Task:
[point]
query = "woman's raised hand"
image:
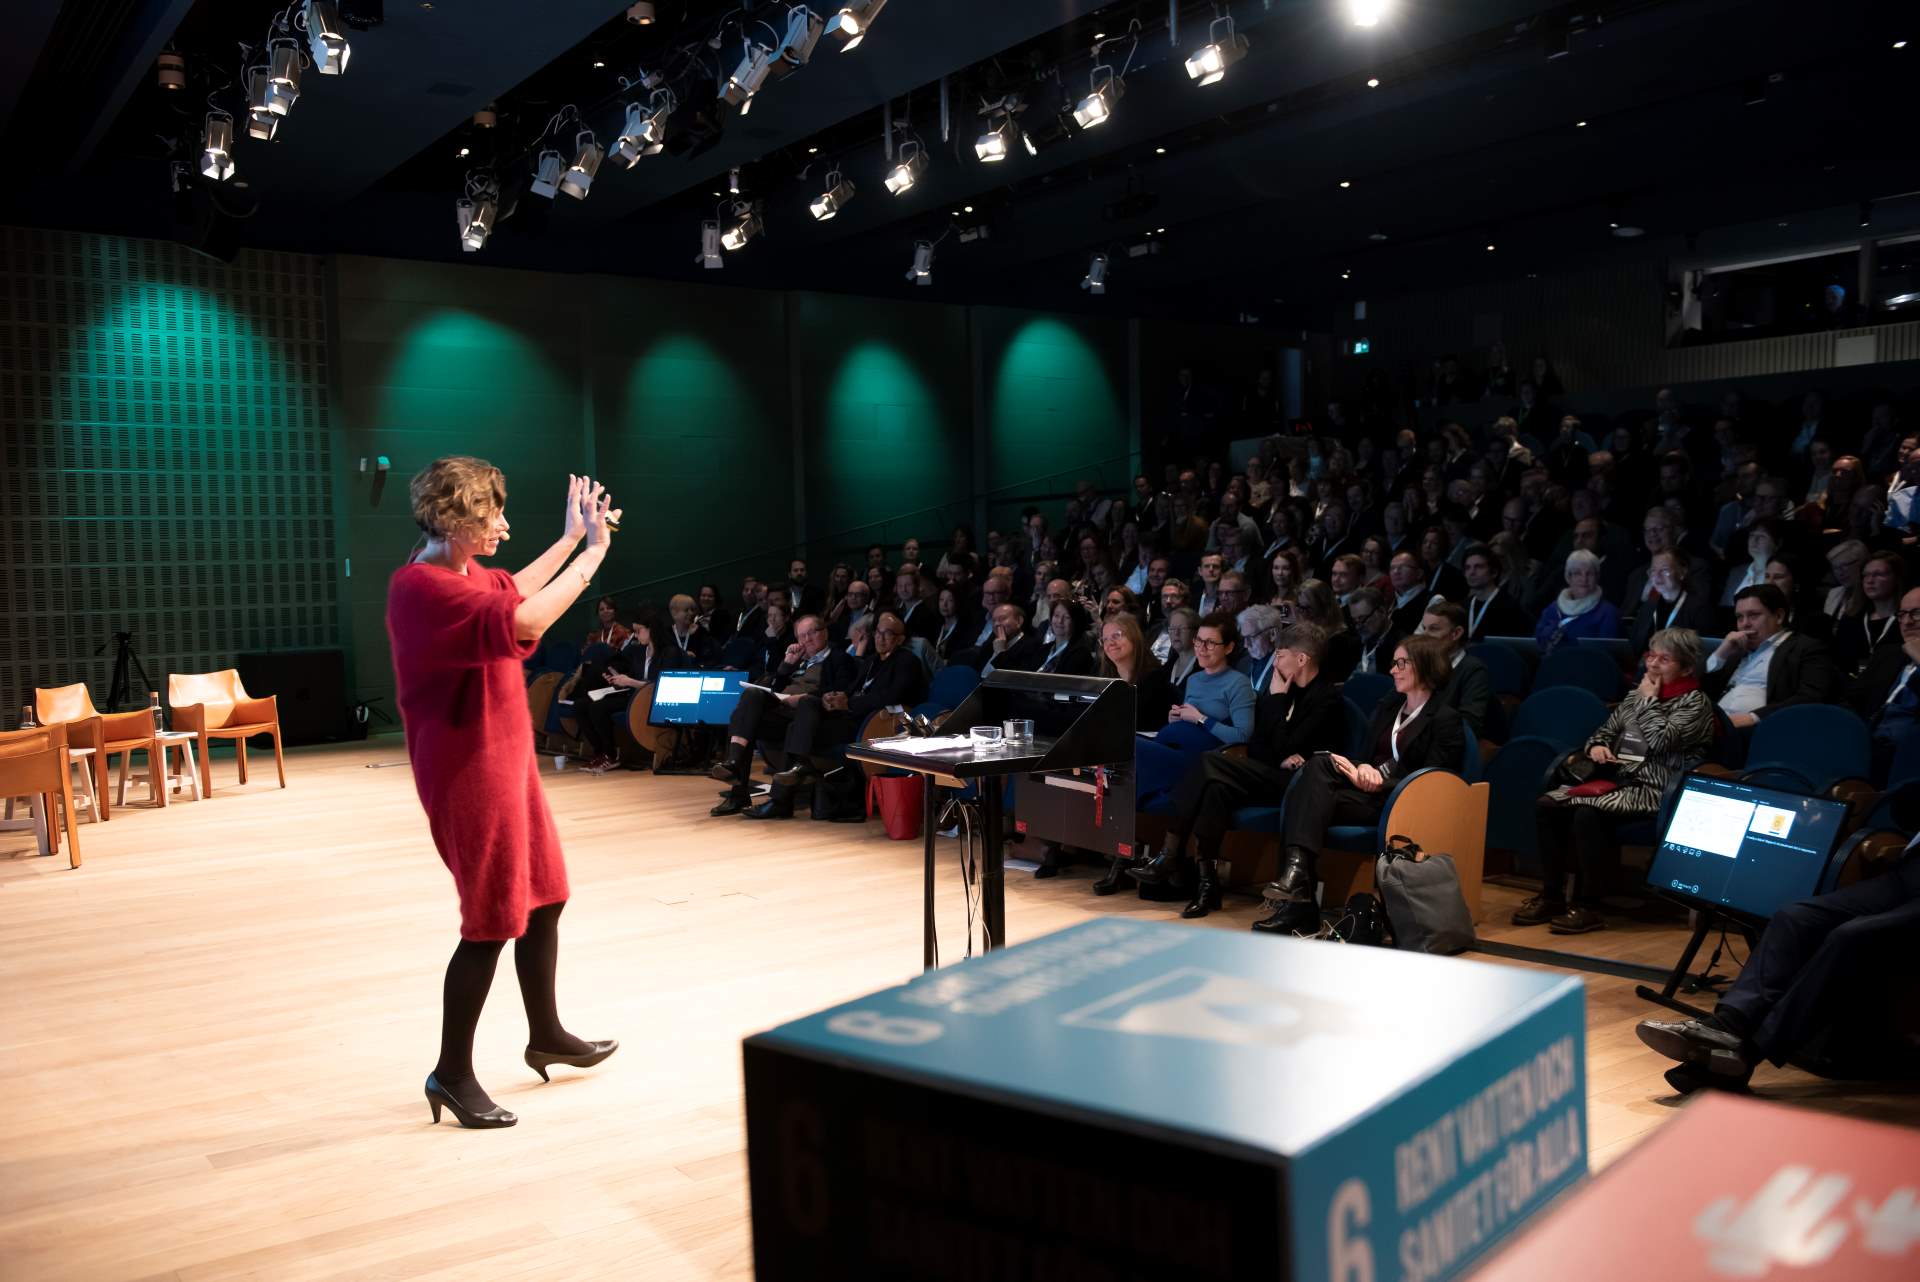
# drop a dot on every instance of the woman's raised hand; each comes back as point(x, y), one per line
point(574, 527)
point(597, 506)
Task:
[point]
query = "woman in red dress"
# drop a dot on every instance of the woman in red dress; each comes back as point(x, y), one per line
point(459, 632)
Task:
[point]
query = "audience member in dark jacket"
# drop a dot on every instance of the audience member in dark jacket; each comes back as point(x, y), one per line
point(1469, 690)
point(1762, 667)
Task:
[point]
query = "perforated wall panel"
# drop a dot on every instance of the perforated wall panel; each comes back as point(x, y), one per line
point(166, 458)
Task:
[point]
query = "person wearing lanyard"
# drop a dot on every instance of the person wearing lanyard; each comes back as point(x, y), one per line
point(1410, 731)
point(1373, 626)
point(1882, 580)
point(1491, 609)
point(1887, 695)
point(1670, 602)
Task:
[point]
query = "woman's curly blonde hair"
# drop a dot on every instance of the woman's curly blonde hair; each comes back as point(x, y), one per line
point(456, 493)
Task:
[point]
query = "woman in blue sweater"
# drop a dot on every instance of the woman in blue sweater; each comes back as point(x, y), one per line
point(1215, 709)
point(1580, 611)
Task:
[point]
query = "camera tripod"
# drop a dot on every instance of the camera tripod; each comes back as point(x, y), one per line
point(125, 664)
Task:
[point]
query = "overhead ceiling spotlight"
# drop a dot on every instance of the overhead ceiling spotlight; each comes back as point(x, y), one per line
point(1210, 61)
point(831, 201)
point(996, 142)
point(733, 180)
point(326, 38)
point(853, 22)
point(485, 118)
point(1367, 13)
point(640, 14)
point(216, 153)
point(912, 163)
point(921, 273)
point(283, 76)
point(476, 212)
point(1056, 128)
point(170, 71)
point(746, 226)
point(748, 76)
point(587, 156)
point(261, 122)
point(803, 33)
point(1097, 106)
point(709, 255)
point(631, 142)
point(1095, 281)
point(547, 168)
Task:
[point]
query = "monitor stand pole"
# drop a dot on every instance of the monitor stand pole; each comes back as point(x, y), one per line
point(1704, 923)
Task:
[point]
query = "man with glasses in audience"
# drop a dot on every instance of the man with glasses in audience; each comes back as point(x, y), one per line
point(1373, 627)
point(859, 610)
point(1173, 596)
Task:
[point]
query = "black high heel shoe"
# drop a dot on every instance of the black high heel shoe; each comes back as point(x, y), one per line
point(438, 1097)
point(541, 1061)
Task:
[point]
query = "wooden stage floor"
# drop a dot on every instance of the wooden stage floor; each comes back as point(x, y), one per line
point(213, 1034)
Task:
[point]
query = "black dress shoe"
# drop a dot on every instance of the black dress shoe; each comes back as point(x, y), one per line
point(541, 1061)
point(1050, 863)
point(767, 810)
point(1156, 871)
point(1294, 917)
point(1690, 1041)
point(438, 1097)
point(731, 804)
point(1537, 911)
point(1686, 1079)
point(723, 772)
point(1117, 870)
point(794, 775)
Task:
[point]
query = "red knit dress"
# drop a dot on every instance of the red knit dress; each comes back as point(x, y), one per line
point(463, 704)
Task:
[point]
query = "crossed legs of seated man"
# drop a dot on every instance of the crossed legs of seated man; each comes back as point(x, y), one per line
point(1209, 792)
point(1812, 954)
point(1322, 799)
point(812, 730)
point(759, 715)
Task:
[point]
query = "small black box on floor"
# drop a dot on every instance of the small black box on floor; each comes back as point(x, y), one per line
point(311, 686)
point(1131, 1100)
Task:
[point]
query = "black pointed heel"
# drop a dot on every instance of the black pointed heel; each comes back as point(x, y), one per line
point(438, 1097)
point(541, 1061)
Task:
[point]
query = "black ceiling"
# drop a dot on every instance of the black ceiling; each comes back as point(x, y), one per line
point(1697, 114)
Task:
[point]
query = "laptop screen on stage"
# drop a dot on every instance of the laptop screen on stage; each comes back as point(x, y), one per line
point(694, 698)
point(1744, 849)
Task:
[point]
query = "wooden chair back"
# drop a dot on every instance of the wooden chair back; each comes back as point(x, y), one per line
point(217, 692)
point(34, 763)
point(659, 740)
point(63, 703)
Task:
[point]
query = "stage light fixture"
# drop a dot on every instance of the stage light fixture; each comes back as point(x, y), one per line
point(804, 27)
point(746, 226)
point(1095, 281)
point(170, 71)
point(283, 76)
point(631, 143)
point(326, 38)
point(831, 201)
point(996, 142)
point(640, 14)
point(587, 156)
point(908, 168)
point(1210, 61)
point(216, 152)
point(921, 273)
point(473, 236)
point(853, 22)
point(709, 255)
point(547, 168)
point(1373, 82)
point(261, 121)
point(1097, 106)
point(1367, 13)
point(748, 76)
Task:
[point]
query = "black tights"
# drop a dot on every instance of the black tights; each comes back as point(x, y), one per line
point(536, 955)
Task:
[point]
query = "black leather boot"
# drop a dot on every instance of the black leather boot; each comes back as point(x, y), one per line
point(1206, 893)
point(1294, 917)
point(1121, 867)
point(1158, 870)
point(1295, 878)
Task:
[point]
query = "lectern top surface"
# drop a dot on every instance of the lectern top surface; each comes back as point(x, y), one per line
point(1264, 1044)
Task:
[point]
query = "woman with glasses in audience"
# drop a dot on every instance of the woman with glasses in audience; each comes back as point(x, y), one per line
point(1653, 736)
point(953, 632)
point(1215, 709)
point(1070, 653)
point(1845, 598)
point(1315, 604)
point(1181, 658)
point(1410, 731)
point(1883, 578)
point(1579, 611)
point(770, 647)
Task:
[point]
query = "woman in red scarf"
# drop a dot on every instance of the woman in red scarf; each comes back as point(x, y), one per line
point(459, 633)
point(1660, 731)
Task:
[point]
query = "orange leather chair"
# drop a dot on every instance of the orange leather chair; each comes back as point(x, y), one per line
point(34, 762)
point(214, 705)
point(107, 733)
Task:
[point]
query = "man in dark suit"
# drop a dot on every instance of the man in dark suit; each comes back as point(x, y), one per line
point(811, 668)
point(804, 598)
point(859, 606)
point(1762, 667)
point(1014, 646)
point(889, 676)
point(1410, 591)
point(712, 616)
point(1441, 577)
point(1491, 611)
point(1660, 532)
point(1373, 627)
point(1469, 691)
point(913, 600)
point(752, 618)
point(1887, 694)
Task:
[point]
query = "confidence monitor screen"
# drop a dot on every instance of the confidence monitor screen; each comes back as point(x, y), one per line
point(1744, 849)
point(694, 698)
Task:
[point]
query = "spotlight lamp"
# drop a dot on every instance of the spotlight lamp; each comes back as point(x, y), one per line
point(476, 212)
point(831, 201)
point(709, 255)
point(908, 168)
point(1210, 61)
point(746, 225)
point(747, 77)
point(261, 120)
point(170, 71)
point(216, 154)
point(855, 19)
point(630, 144)
point(921, 273)
point(283, 76)
point(1095, 281)
point(640, 14)
point(994, 145)
point(326, 38)
point(1097, 106)
point(547, 168)
point(804, 28)
point(587, 155)
point(1367, 13)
